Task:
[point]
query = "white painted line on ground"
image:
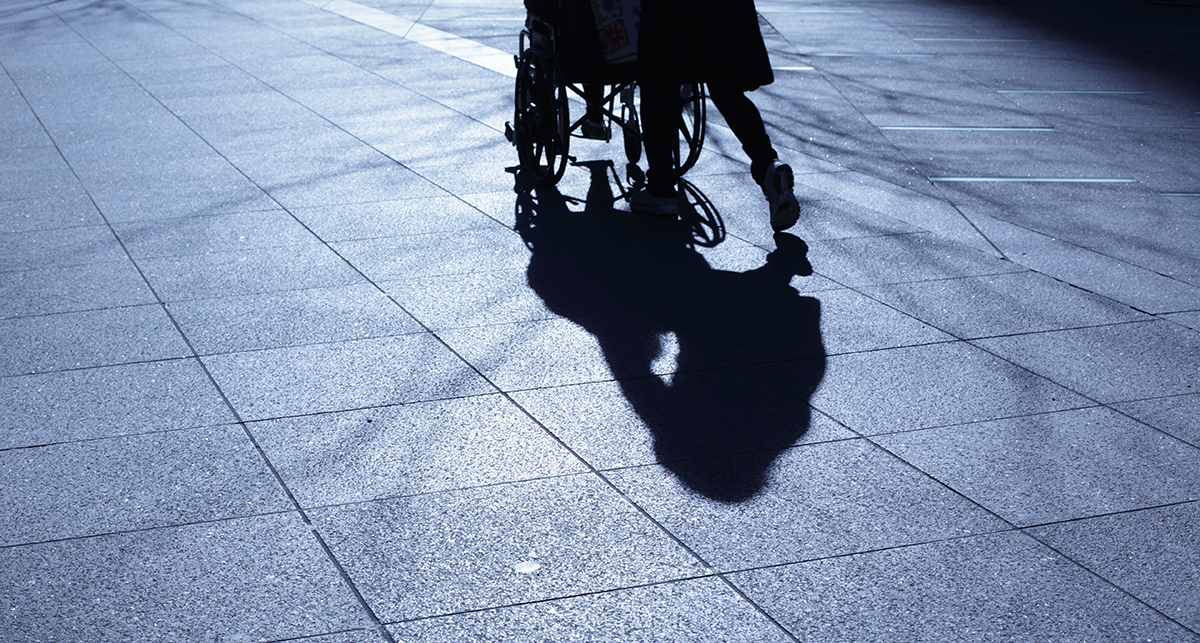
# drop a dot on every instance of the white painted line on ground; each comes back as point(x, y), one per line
point(1066, 91)
point(972, 40)
point(1181, 194)
point(873, 55)
point(1141, 48)
point(1019, 179)
point(770, 9)
point(470, 51)
point(793, 68)
point(939, 128)
point(1156, 29)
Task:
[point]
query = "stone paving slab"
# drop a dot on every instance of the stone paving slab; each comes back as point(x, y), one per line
point(1056, 466)
point(339, 376)
point(67, 289)
point(134, 482)
point(1004, 304)
point(835, 498)
point(83, 404)
point(245, 232)
point(261, 578)
point(437, 554)
point(1172, 415)
point(290, 318)
point(699, 610)
point(999, 587)
point(397, 218)
point(67, 247)
point(641, 421)
point(1141, 546)
point(1134, 358)
point(103, 337)
point(288, 353)
point(1095, 272)
point(419, 448)
point(273, 269)
point(927, 386)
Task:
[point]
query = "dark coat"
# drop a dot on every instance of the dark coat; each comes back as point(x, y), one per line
point(703, 41)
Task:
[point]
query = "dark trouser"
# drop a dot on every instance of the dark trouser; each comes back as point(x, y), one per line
point(661, 110)
point(593, 95)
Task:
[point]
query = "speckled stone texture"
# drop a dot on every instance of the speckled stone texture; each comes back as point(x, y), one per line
point(291, 350)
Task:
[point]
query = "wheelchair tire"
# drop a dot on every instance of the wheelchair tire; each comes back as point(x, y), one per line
point(541, 129)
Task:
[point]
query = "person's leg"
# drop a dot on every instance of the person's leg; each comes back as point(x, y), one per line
point(775, 178)
point(747, 124)
point(593, 126)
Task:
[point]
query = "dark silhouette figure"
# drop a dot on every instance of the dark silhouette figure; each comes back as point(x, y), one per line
point(722, 416)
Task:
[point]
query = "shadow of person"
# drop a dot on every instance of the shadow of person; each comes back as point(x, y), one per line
point(686, 358)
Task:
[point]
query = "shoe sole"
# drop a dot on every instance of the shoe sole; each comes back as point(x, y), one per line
point(785, 209)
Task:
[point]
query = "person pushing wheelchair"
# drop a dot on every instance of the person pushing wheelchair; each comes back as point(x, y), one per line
point(717, 42)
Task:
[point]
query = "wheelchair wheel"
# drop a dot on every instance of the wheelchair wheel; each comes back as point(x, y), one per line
point(541, 122)
point(691, 125)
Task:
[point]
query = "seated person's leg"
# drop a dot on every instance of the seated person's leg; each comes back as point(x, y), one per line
point(660, 112)
point(593, 125)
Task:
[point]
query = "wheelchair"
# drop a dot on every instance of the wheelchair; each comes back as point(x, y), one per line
point(560, 58)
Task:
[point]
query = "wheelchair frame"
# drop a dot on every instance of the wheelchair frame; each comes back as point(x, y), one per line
point(542, 128)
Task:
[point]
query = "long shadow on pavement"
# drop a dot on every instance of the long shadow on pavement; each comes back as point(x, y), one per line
point(717, 425)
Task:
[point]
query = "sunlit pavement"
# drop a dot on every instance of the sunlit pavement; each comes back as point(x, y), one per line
point(287, 352)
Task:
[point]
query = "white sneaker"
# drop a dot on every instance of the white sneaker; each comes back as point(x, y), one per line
point(779, 188)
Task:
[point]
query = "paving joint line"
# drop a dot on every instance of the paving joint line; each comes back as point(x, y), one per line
point(347, 580)
point(141, 530)
point(1111, 584)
